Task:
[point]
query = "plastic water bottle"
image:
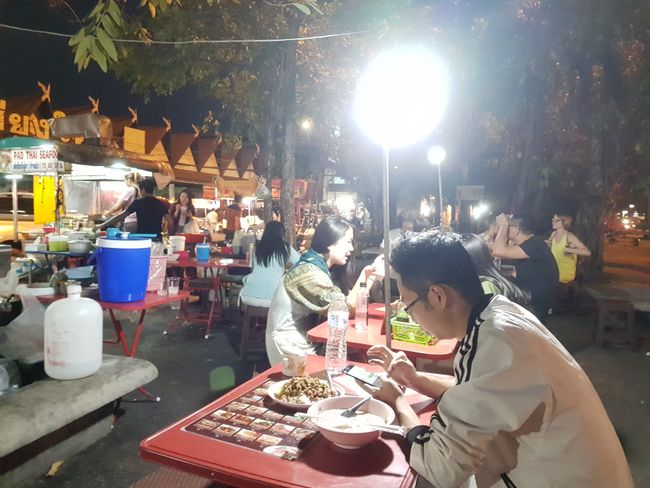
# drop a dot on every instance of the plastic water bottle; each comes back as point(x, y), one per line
point(73, 336)
point(336, 352)
point(361, 315)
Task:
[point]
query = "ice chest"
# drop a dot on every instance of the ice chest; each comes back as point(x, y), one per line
point(122, 268)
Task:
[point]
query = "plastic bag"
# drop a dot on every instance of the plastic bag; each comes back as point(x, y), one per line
point(24, 334)
point(191, 228)
point(9, 283)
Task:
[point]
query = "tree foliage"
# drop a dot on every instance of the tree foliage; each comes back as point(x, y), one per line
point(550, 103)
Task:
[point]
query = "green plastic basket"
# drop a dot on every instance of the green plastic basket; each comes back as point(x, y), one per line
point(410, 332)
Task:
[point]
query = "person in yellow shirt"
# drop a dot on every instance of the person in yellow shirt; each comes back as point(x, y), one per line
point(566, 247)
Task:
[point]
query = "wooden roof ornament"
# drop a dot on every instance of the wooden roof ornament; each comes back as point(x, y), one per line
point(46, 91)
point(187, 158)
point(94, 103)
point(203, 148)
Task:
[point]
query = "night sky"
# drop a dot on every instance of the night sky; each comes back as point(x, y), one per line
point(26, 58)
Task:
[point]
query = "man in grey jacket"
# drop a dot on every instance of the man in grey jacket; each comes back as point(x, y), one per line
point(519, 411)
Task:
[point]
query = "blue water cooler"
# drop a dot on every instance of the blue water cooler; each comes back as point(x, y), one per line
point(122, 268)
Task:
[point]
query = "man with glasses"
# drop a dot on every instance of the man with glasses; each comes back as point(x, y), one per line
point(519, 410)
point(536, 267)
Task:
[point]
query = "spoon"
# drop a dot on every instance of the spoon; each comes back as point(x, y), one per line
point(352, 411)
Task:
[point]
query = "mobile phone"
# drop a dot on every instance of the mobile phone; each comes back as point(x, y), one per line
point(362, 375)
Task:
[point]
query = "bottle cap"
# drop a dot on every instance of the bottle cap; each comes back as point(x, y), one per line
point(74, 288)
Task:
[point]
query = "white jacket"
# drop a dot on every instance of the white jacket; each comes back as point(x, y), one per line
point(522, 414)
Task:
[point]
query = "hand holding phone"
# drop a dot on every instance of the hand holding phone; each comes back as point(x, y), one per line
point(362, 375)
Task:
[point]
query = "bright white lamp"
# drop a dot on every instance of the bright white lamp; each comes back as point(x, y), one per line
point(400, 99)
point(402, 95)
point(307, 124)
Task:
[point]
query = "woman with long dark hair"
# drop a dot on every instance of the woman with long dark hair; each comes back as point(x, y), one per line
point(272, 257)
point(182, 211)
point(492, 280)
point(307, 289)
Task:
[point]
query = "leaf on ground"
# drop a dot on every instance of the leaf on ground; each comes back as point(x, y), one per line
point(54, 469)
point(303, 8)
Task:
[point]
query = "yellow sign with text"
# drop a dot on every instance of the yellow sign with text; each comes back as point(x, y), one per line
point(29, 124)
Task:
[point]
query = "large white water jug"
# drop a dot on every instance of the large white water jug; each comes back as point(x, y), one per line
point(177, 243)
point(73, 336)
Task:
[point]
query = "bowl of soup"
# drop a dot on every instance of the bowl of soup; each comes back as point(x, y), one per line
point(353, 432)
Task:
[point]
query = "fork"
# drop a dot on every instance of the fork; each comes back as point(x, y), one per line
point(352, 411)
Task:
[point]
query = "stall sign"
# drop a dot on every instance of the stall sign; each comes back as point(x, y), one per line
point(22, 124)
point(230, 188)
point(300, 188)
point(36, 160)
point(29, 124)
point(209, 192)
point(469, 192)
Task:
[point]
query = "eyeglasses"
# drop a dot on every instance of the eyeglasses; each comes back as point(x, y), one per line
point(555, 220)
point(407, 308)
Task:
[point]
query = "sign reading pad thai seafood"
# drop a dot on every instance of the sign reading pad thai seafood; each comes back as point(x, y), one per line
point(35, 160)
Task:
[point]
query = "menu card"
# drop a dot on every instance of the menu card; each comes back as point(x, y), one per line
point(257, 422)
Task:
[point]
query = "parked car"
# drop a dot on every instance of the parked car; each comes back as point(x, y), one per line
point(25, 215)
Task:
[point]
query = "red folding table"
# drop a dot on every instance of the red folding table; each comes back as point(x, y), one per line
point(383, 463)
point(362, 340)
point(151, 300)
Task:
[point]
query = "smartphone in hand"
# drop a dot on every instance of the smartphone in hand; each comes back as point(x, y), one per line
point(362, 375)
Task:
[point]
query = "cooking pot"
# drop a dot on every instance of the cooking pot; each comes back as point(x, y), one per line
point(80, 245)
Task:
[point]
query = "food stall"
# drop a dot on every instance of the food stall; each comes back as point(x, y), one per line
point(29, 156)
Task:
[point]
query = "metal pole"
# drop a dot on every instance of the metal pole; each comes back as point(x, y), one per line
point(385, 191)
point(440, 192)
point(14, 203)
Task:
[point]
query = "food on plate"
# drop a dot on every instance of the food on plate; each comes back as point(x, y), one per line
point(304, 390)
point(332, 419)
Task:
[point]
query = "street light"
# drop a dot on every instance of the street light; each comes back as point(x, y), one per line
point(307, 124)
point(400, 98)
point(436, 155)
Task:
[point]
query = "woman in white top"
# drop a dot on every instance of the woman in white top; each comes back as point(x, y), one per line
point(305, 292)
point(130, 193)
point(182, 211)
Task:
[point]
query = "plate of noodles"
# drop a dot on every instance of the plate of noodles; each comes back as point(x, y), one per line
point(301, 392)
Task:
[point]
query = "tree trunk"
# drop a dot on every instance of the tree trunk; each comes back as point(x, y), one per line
point(269, 162)
point(288, 83)
point(528, 173)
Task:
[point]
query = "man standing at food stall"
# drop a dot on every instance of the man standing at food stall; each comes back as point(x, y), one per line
point(233, 215)
point(151, 212)
point(519, 410)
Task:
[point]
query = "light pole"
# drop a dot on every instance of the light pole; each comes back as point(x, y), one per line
point(400, 98)
point(436, 155)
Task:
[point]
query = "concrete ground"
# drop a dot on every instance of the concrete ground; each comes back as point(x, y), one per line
point(185, 359)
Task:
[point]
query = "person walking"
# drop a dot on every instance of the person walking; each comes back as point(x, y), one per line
point(566, 247)
point(233, 214)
